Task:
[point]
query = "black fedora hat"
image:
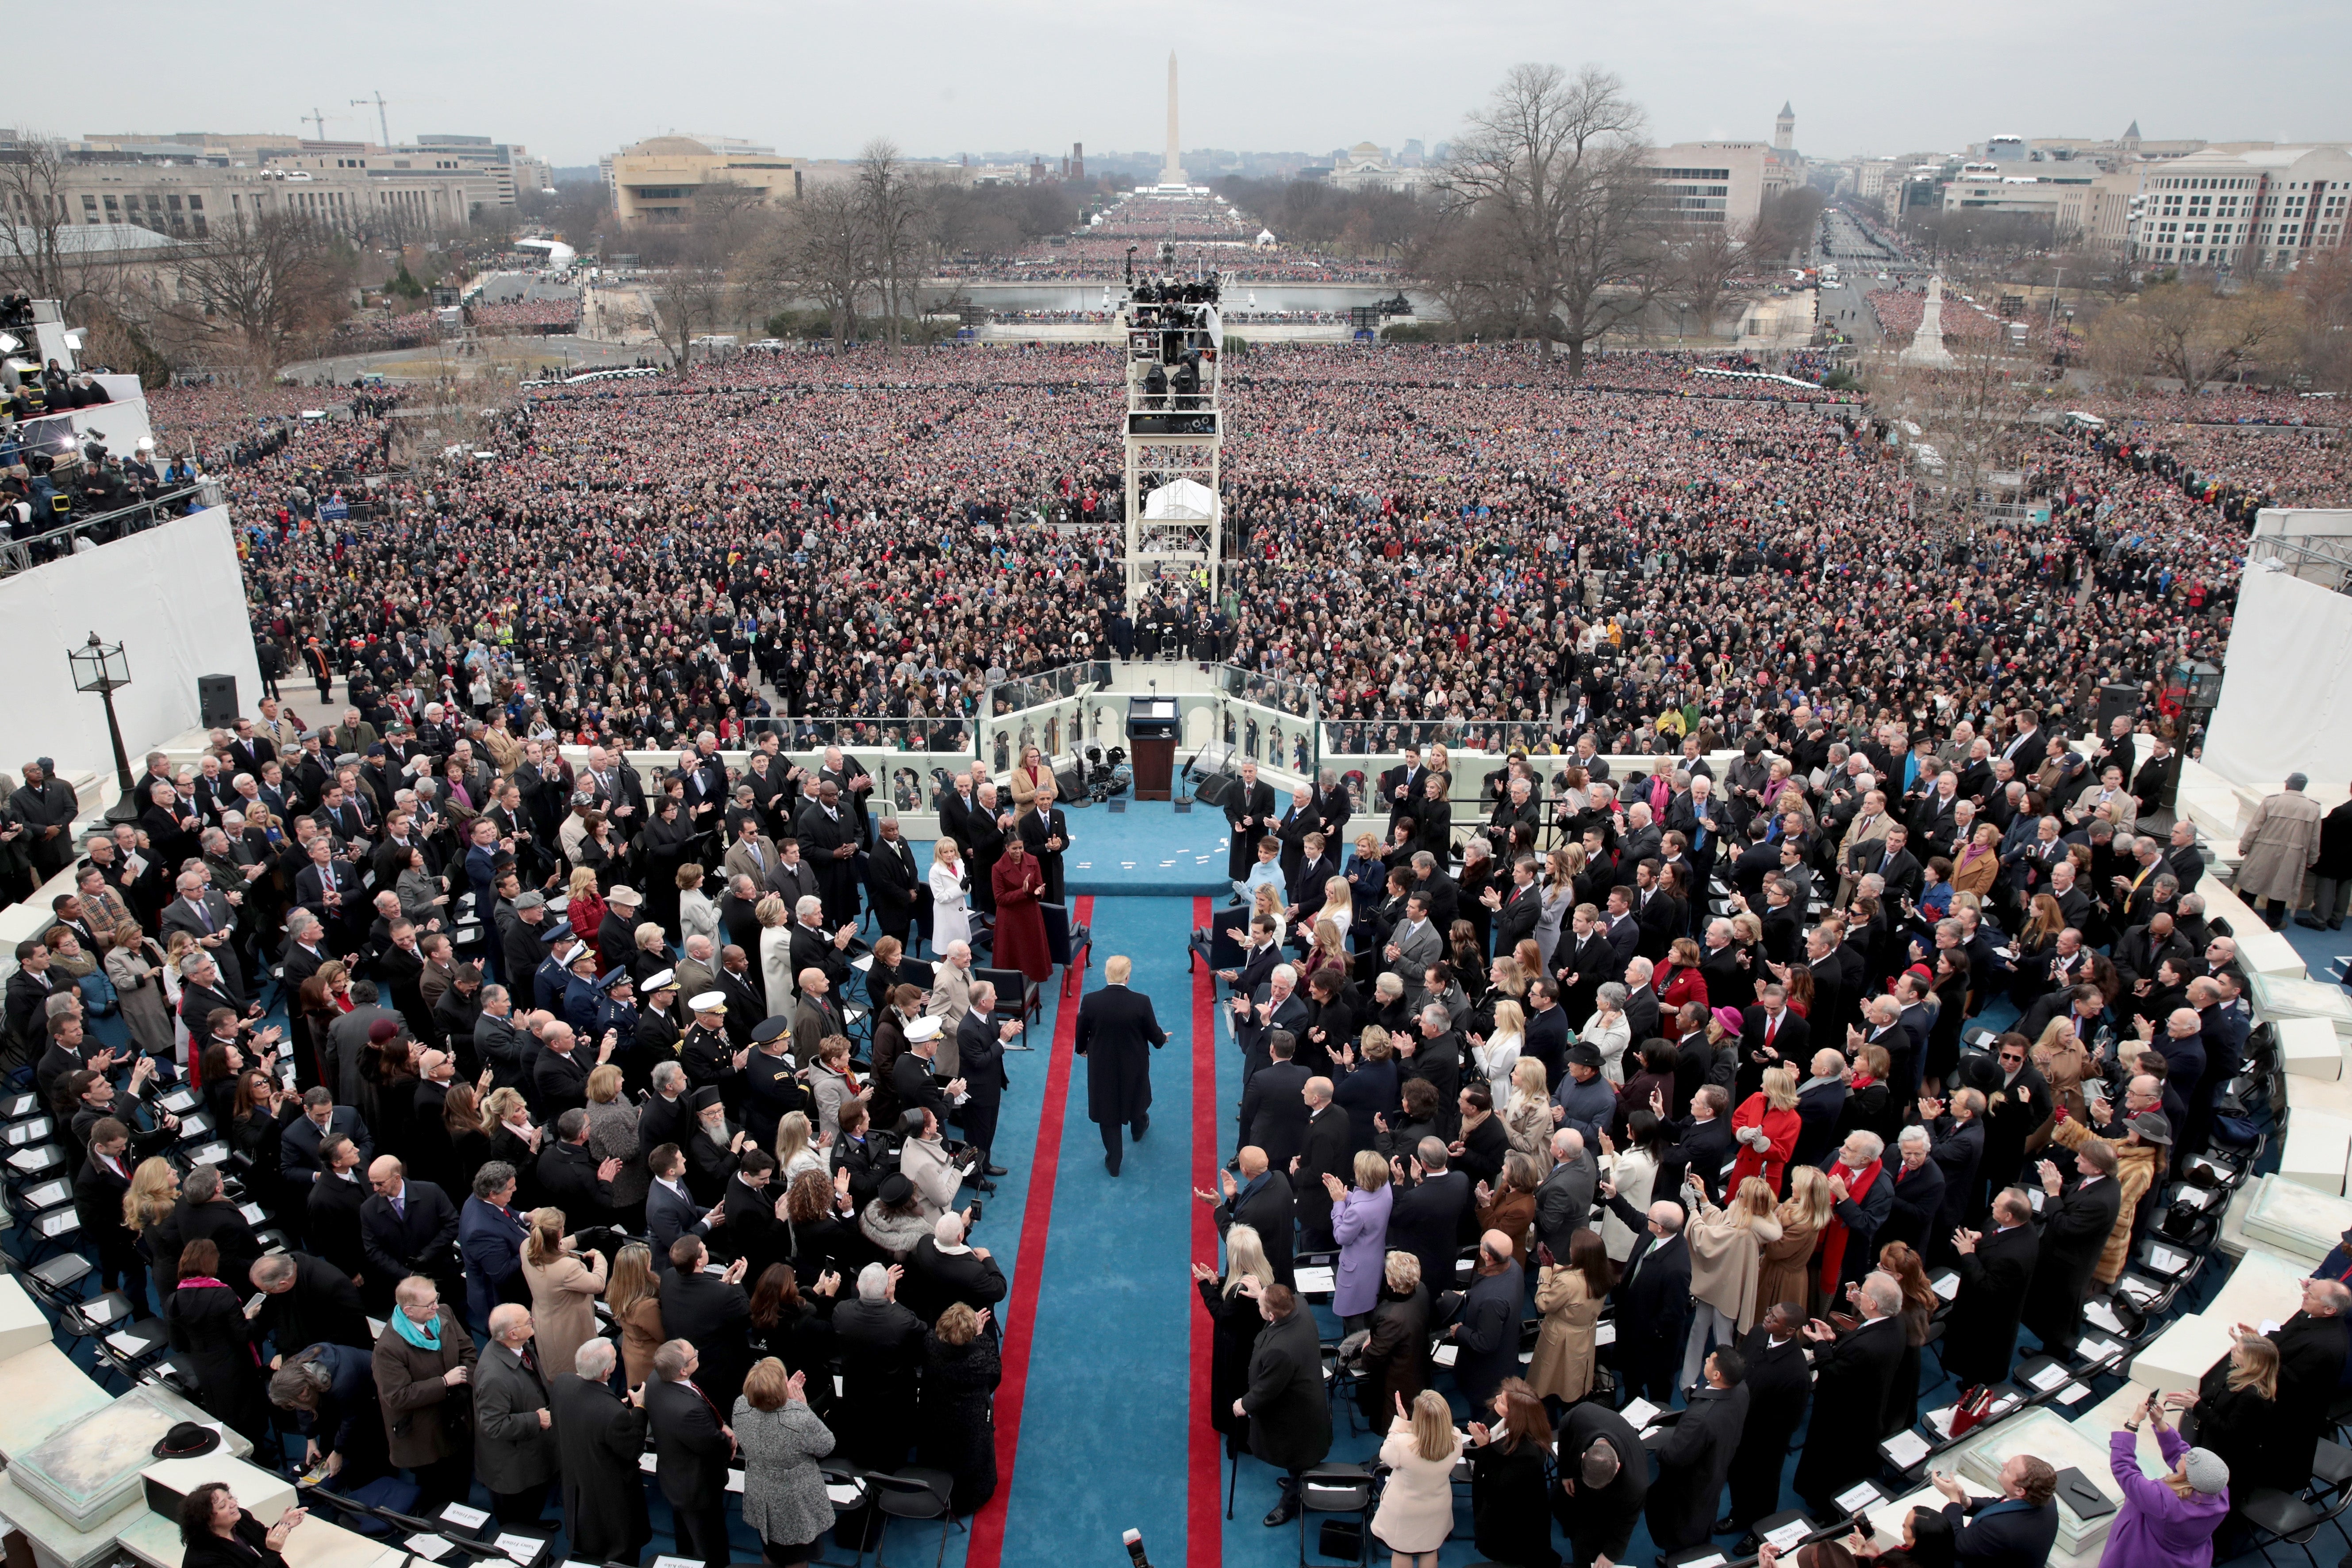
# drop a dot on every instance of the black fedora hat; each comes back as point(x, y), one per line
point(186, 1441)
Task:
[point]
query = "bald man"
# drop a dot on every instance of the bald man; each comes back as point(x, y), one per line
point(406, 1227)
point(514, 1447)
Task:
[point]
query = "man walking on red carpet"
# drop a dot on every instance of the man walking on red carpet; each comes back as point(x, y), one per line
point(1116, 1034)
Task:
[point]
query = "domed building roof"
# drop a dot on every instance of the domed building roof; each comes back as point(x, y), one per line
point(671, 146)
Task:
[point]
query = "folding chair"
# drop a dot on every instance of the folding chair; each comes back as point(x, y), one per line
point(1025, 996)
point(1336, 1489)
point(913, 1492)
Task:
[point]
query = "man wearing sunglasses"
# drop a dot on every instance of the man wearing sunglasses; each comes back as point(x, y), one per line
point(2014, 1108)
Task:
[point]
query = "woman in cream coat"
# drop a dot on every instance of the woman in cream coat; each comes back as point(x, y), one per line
point(950, 902)
point(775, 917)
point(1569, 1294)
point(564, 1284)
point(1727, 1254)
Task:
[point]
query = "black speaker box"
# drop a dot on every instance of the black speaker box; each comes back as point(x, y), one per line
point(1217, 788)
point(2114, 698)
point(216, 701)
point(1070, 785)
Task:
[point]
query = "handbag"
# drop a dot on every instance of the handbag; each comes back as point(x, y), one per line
point(1973, 1410)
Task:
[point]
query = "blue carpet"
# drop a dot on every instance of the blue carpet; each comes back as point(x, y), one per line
point(1148, 849)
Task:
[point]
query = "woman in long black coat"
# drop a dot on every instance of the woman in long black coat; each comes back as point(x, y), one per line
point(961, 1371)
point(1509, 1509)
point(666, 844)
point(1237, 1319)
point(211, 1333)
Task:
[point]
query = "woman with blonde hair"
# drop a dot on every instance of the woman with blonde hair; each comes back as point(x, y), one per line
point(1232, 1305)
point(1416, 1511)
point(2237, 1405)
point(781, 1440)
point(1726, 1256)
point(951, 896)
point(585, 912)
point(1360, 1225)
point(1498, 1056)
point(1787, 1271)
point(613, 1136)
point(134, 966)
point(796, 1149)
point(1562, 866)
point(1765, 1128)
point(1338, 904)
point(775, 956)
point(1525, 1115)
point(1330, 951)
point(634, 1296)
point(2064, 1064)
point(147, 1205)
point(564, 1284)
point(1267, 903)
point(652, 954)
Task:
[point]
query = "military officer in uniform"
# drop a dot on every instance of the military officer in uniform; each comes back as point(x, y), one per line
point(580, 995)
point(659, 1040)
point(553, 972)
point(618, 1011)
point(712, 1061)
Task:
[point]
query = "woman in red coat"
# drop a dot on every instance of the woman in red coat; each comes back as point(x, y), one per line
point(1765, 1128)
point(1677, 983)
point(1019, 881)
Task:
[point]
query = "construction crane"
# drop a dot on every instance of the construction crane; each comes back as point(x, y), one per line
point(382, 126)
point(319, 120)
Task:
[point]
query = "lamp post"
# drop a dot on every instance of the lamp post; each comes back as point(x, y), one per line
point(101, 667)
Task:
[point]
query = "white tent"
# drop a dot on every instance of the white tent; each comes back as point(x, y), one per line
point(1180, 501)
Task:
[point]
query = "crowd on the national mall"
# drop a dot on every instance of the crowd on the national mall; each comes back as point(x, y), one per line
point(656, 1110)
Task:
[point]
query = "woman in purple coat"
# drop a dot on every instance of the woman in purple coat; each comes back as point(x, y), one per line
point(1360, 1223)
point(2168, 1522)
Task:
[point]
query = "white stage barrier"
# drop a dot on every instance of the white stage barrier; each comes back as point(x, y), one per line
point(2286, 691)
point(171, 596)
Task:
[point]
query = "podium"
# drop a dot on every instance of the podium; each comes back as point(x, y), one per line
point(1152, 724)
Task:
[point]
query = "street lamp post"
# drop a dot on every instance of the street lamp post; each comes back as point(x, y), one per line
point(101, 667)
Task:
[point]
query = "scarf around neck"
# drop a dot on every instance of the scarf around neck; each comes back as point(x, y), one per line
point(424, 1338)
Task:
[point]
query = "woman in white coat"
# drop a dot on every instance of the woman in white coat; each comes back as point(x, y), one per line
point(951, 900)
point(775, 918)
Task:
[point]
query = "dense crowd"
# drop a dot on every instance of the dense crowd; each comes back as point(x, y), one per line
point(645, 559)
point(660, 1076)
point(514, 313)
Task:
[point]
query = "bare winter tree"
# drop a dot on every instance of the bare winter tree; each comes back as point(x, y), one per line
point(1557, 163)
point(893, 199)
point(1701, 263)
point(256, 290)
point(2188, 329)
point(39, 252)
point(821, 252)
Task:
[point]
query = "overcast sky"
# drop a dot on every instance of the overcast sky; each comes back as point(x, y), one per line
point(577, 80)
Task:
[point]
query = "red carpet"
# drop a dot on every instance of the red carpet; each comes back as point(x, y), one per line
point(1205, 1529)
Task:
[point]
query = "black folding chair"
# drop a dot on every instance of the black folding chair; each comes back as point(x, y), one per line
point(1336, 1489)
point(916, 1493)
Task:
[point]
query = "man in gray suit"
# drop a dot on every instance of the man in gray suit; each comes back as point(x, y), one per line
point(1564, 1201)
point(1415, 944)
point(348, 1039)
point(514, 1448)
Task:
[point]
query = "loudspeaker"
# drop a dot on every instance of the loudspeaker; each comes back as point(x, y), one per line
point(1070, 785)
point(1217, 788)
point(2114, 698)
point(216, 701)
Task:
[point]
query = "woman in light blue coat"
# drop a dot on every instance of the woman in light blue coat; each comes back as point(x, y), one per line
point(1360, 1223)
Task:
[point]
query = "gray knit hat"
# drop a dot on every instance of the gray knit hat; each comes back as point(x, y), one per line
point(2206, 1470)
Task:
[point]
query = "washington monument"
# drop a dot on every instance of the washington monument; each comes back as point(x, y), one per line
point(1173, 171)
